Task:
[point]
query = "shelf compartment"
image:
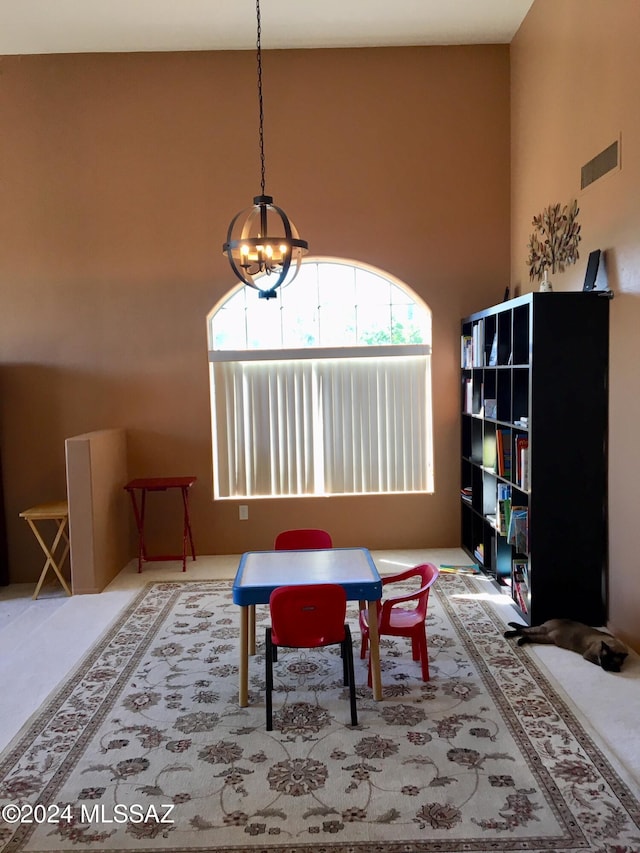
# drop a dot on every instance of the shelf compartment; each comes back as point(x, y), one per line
point(465, 438)
point(521, 335)
point(520, 394)
point(489, 399)
point(477, 494)
point(505, 341)
point(489, 446)
point(503, 393)
point(476, 440)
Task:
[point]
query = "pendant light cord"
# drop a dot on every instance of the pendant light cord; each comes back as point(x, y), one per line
point(251, 247)
point(260, 106)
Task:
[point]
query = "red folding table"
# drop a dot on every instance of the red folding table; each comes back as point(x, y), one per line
point(161, 484)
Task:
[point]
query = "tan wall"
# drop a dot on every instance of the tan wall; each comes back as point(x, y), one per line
point(575, 78)
point(120, 176)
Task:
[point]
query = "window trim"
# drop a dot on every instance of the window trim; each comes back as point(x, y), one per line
point(385, 351)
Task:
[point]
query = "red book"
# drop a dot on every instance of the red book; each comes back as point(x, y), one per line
point(499, 453)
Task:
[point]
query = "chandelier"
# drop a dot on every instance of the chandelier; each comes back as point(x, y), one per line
point(263, 245)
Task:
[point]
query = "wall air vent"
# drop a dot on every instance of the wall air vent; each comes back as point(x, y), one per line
point(602, 163)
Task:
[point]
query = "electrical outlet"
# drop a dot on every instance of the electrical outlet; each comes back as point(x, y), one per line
point(243, 512)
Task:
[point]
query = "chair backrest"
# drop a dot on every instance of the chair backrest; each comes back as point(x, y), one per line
point(427, 573)
point(303, 539)
point(306, 616)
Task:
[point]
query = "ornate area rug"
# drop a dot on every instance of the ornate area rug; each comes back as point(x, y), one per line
point(145, 747)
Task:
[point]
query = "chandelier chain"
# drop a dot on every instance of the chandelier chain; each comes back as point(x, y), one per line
point(260, 104)
point(253, 247)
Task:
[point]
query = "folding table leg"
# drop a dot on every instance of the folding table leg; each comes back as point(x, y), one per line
point(186, 529)
point(138, 514)
point(49, 553)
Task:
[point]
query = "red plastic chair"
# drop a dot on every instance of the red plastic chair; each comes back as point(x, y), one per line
point(306, 617)
point(304, 539)
point(397, 621)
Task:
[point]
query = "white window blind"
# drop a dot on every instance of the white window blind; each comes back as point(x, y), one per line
point(299, 426)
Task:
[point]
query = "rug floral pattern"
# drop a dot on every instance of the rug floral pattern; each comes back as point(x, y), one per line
point(145, 747)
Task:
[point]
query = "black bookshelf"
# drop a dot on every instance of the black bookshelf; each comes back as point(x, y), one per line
point(535, 383)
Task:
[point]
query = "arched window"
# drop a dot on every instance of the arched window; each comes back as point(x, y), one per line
point(325, 390)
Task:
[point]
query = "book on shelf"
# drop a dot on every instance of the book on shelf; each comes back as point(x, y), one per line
point(521, 572)
point(490, 407)
point(524, 469)
point(466, 351)
point(522, 459)
point(520, 584)
point(503, 453)
point(520, 597)
point(507, 514)
point(499, 468)
point(477, 345)
point(489, 452)
point(493, 352)
point(468, 396)
point(466, 494)
point(503, 507)
point(518, 531)
point(506, 450)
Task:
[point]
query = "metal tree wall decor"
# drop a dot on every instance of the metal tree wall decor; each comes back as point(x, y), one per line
point(553, 245)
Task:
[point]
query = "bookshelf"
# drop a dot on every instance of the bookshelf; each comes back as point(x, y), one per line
point(533, 476)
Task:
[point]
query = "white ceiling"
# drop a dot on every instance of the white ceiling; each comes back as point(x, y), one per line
point(89, 26)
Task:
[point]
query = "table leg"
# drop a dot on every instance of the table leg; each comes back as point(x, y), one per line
point(374, 651)
point(185, 525)
point(243, 699)
point(49, 553)
point(142, 548)
point(252, 629)
point(187, 530)
point(139, 517)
